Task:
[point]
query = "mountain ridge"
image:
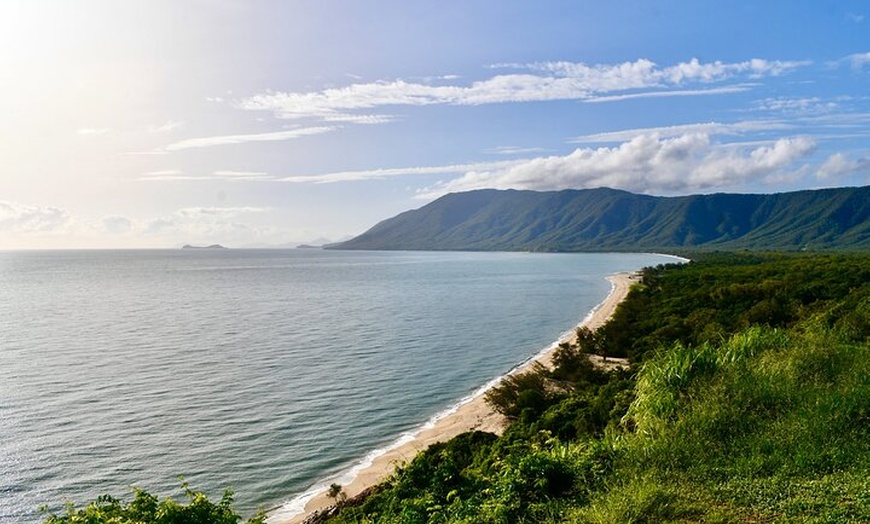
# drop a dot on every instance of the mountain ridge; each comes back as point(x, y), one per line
point(605, 219)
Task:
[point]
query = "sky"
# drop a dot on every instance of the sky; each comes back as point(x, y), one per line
point(155, 123)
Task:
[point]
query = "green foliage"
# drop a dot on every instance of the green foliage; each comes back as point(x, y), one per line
point(665, 379)
point(570, 362)
point(612, 220)
point(789, 408)
point(567, 400)
point(145, 508)
point(474, 479)
point(719, 294)
point(747, 403)
point(522, 393)
point(640, 501)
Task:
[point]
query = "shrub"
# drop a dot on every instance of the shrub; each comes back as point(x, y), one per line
point(145, 508)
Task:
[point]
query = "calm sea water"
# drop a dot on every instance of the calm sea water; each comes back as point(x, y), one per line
point(263, 370)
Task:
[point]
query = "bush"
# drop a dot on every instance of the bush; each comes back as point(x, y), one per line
point(521, 392)
point(145, 508)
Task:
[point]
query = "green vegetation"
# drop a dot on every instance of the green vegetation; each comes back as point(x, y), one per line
point(746, 402)
point(608, 219)
point(146, 508)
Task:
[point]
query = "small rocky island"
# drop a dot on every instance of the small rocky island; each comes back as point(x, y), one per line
point(213, 246)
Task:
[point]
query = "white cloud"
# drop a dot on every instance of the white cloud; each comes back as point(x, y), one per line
point(838, 165)
point(165, 175)
point(20, 218)
point(859, 60)
point(801, 106)
point(359, 119)
point(707, 128)
point(856, 61)
point(666, 94)
point(242, 175)
point(164, 172)
point(512, 150)
point(117, 225)
point(204, 223)
point(375, 174)
point(542, 81)
point(241, 139)
point(176, 175)
point(647, 163)
point(643, 73)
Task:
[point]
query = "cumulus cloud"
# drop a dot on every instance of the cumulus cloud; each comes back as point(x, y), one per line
point(647, 163)
point(204, 223)
point(539, 81)
point(643, 73)
point(838, 165)
point(241, 139)
point(20, 218)
point(117, 225)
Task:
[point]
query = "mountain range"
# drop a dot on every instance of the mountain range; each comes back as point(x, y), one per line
point(614, 220)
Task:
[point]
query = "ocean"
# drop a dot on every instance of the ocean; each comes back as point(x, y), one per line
point(267, 371)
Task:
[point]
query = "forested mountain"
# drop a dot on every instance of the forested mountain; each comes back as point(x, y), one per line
point(610, 219)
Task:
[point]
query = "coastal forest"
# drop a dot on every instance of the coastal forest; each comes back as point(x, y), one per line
point(745, 400)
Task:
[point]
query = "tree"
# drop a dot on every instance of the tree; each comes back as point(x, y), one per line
point(337, 493)
point(145, 508)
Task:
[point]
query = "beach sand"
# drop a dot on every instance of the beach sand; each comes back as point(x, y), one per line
point(473, 415)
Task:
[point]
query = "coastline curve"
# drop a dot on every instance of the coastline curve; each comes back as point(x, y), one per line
point(468, 414)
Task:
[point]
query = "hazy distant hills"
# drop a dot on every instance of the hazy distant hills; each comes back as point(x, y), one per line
point(609, 219)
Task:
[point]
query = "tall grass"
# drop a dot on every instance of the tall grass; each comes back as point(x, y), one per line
point(666, 379)
point(787, 408)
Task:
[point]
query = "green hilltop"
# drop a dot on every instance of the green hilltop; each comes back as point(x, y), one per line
point(613, 220)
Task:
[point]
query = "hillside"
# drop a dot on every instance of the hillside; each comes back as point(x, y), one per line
point(746, 402)
point(609, 219)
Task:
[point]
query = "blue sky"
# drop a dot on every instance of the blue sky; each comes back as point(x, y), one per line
point(263, 122)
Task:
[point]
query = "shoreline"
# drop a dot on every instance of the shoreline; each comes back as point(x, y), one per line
point(471, 413)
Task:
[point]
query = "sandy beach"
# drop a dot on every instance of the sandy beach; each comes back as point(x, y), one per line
point(473, 415)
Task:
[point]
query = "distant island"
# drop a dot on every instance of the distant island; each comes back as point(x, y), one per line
point(308, 246)
point(213, 246)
